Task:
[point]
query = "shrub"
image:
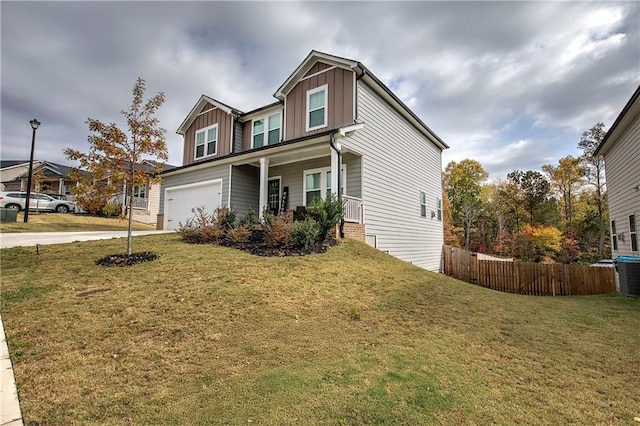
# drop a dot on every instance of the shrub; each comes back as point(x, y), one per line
point(226, 218)
point(354, 313)
point(277, 230)
point(249, 219)
point(110, 209)
point(201, 228)
point(239, 234)
point(304, 234)
point(327, 212)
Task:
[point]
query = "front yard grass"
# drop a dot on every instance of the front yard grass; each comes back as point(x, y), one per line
point(67, 222)
point(211, 335)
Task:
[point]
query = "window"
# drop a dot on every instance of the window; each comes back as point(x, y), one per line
point(269, 133)
point(67, 189)
point(206, 141)
point(317, 108)
point(633, 235)
point(614, 235)
point(317, 184)
point(140, 191)
point(439, 208)
point(423, 204)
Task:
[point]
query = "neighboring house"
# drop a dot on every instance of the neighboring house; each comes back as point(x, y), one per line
point(146, 198)
point(47, 177)
point(621, 150)
point(334, 124)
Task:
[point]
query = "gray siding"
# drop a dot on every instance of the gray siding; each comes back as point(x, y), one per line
point(293, 176)
point(622, 163)
point(245, 188)
point(193, 176)
point(237, 143)
point(398, 162)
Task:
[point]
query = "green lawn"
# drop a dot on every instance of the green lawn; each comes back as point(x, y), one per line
point(58, 222)
point(210, 335)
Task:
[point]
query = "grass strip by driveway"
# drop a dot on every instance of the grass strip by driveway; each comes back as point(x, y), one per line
point(210, 335)
point(68, 222)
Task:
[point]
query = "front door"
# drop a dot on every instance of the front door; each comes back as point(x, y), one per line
point(273, 195)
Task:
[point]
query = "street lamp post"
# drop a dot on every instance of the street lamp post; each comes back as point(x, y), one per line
point(34, 125)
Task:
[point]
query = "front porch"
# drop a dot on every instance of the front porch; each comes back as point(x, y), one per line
point(292, 181)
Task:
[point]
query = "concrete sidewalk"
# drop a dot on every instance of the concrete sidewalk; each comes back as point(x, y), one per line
point(10, 414)
point(42, 238)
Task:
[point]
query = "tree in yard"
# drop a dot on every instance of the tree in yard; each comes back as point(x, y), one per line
point(463, 183)
point(534, 190)
point(594, 165)
point(565, 179)
point(114, 158)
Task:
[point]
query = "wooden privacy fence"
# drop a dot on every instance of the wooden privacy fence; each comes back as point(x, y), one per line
point(536, 279)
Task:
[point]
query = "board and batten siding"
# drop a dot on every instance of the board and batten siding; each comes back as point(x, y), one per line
point(195, 176)
point(397, 163)
point(340, 110)
point(622, 168)
point(215, 116)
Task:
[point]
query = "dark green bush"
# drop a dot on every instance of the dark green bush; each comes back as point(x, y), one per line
point(305, 233)
point(327, 212)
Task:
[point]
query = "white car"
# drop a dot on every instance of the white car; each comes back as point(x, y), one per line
point(37, 202)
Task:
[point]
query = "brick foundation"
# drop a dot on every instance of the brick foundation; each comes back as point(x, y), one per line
point(353, 231)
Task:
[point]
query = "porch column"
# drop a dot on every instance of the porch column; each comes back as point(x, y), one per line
point(264, 177)
point(61, 186)
point(335, 169)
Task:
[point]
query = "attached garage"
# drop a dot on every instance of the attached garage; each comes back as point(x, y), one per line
point(179, 201)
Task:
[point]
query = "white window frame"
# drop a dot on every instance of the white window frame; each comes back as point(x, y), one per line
point(266, 130)
point(205, 130)
point(423, 204)
point(633, 232)
point(310, 92)
point(439, 209)
point(136, 191)
point(323, 181)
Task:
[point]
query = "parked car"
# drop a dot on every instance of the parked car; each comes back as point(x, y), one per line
point(37, 202)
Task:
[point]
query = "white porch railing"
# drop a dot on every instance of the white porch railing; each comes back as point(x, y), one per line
point(352, 209)
point(138, 203)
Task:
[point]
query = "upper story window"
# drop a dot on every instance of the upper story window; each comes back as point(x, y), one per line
point(317, 108)
point(269, 132)
point(206, 141)
point(423, 204)
point(439, 208)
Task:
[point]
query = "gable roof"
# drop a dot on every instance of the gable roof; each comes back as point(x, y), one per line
point(626, 116)
point(365, 74)
point(19, 167)
point(204, 99)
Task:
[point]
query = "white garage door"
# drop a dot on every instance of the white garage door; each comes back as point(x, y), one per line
point(180, 200)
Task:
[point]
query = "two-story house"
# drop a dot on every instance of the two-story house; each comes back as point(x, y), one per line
point(621, 150)
point(334, 125)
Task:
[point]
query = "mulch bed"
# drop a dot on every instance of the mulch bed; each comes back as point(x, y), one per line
point(126, 260)
point(262, 249)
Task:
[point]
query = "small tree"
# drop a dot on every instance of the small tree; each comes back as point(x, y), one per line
point(115, 157)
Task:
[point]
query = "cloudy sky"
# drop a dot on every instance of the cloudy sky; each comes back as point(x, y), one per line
point(510, 84)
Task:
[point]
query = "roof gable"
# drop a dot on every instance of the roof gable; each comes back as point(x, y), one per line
point(200, 107)
point(630, 111)
point(305, 69)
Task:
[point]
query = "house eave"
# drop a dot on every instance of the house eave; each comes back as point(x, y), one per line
point(253, 153)
point(626, 116)
point(306, 64)
point(204, 99)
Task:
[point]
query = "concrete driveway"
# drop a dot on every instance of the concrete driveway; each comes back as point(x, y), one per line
point(42, 238)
